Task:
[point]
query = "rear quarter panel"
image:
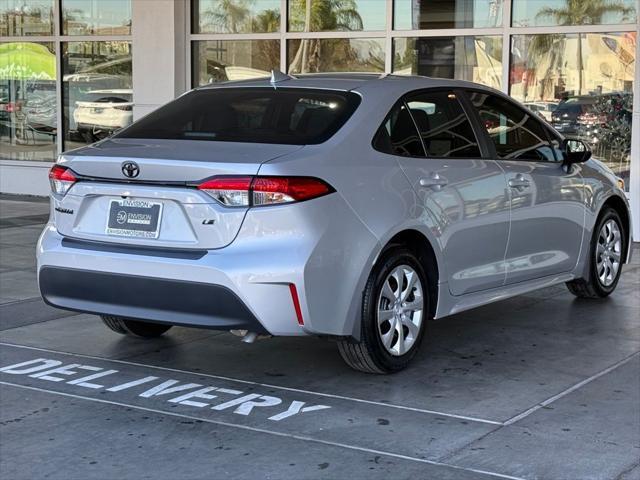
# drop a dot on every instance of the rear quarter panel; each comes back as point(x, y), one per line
point(375, 191)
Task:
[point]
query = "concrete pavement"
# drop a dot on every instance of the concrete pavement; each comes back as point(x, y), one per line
point(539, 386)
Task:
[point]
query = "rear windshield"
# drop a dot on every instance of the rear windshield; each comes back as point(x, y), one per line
point(293, 116)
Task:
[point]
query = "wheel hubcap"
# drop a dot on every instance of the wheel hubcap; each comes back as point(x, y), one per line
point(608, 253)
point(400, 309)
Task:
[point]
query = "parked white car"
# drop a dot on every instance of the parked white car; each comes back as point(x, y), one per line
point(104, 112)
point(543, 109)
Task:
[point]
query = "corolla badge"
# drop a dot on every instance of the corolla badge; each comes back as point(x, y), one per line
point(130, 169)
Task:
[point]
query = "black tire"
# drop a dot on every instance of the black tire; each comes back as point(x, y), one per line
point(137, 328)
point(369, 354)
point(592, 287)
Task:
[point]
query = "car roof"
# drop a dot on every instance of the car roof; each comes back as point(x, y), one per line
point(360, 82)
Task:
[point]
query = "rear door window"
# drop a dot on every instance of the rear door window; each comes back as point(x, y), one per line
point(256, 115)
point(443, 125)
point(398, 134)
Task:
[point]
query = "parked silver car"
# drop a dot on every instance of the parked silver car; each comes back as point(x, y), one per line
point(352, 207)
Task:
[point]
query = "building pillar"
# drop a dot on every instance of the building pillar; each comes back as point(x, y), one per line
point(159, 53)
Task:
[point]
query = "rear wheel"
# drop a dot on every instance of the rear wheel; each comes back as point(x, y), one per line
point(134, 327)
point(394, 313)
point(605, 258)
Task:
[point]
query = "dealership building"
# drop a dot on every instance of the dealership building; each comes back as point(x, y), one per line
point(74, 71)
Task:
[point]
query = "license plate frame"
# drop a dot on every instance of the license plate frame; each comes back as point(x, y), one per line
point(134, 218)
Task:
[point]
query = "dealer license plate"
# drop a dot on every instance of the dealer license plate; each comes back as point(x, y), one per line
point(134, 218)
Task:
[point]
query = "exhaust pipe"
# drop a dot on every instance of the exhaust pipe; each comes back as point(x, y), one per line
point(247, 336)
point(250, 337)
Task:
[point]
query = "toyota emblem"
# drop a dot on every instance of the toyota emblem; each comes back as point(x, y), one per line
point(130, 169)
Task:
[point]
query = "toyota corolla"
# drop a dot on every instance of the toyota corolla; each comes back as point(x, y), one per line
point(351, 207)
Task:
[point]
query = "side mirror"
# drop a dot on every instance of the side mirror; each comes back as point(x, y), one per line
point(575, 151)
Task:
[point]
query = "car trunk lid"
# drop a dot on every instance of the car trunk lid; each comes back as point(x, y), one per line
point(161, 205)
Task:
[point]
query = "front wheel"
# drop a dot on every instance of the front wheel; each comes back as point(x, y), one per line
point(134, 327)
point(394, 312)
point(606, 254)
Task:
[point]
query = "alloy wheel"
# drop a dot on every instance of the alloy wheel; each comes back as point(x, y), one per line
point(608, 253)
point(400, 310)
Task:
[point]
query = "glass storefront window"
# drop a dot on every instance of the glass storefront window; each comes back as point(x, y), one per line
point(430, 14)
point(96, 17)
point(536, 13)
point(221, 60)
point(341, 15)
point(235, 16)
point(26, 17)
point(583, 84)
point(336, 55)
point(96, 90)
point(476, 59)
point(28, 126)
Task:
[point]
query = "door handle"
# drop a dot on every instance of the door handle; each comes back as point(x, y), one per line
point(434, 180)
point(519, 182)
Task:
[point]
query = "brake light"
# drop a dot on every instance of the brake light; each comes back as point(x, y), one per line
point(61, 179)
point(126, 108)
point(587, 118)
point(256, 191)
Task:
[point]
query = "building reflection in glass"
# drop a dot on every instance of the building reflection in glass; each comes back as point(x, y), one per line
point(222, 60)
point(97, 90)
point(28, 127)
point(476, 59)
point(336, 55)
point(583, 84)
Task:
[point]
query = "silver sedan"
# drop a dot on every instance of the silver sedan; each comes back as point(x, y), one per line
point(353, 207)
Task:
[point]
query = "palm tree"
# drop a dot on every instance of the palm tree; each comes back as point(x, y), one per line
point(581, 12)
point(229, 16)
point(319, 15)
point(550, 47)
point(323, 15)
point(268, 50)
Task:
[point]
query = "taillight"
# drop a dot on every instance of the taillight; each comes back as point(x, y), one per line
point(126, 108)
point(61, 179)
point(229, 191)
point(256, 191)
point(270, 190)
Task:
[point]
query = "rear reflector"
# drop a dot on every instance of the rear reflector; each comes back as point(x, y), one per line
point(296, 303)
point(256, 191)
point(61, 179)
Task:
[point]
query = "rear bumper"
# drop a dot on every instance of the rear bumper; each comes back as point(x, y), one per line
point(304, 245)
point(166, 301)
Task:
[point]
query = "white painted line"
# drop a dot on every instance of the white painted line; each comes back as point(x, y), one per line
point(269, 432)
point(558, 396)
point(249, 382)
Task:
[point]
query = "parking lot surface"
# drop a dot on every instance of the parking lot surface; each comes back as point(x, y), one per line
point(539, 386)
